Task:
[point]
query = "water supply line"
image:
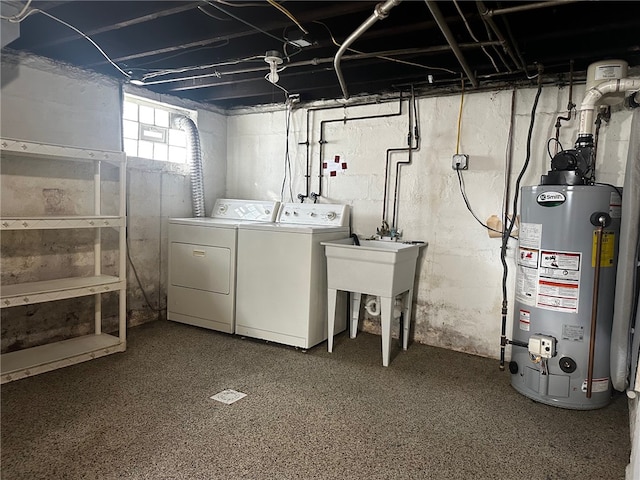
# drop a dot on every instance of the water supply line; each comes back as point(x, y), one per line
point(446, 31)
point(194, 157)
point(380, 12)
point(322, 141)
point(413, 134)
point(506, 234)
point(570, 107)
point(487, 17)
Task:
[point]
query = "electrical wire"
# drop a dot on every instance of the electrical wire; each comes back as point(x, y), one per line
point(382, 57)
point(460, 115)
point(507, 232)
point(288, 14)
point(79, 32)
point(224, 43)
point(170, 71)
point(209, 14)
point(287, 158)
point(240, 4)
point(18, 17)
point(213, 4)
point(464, 19)
point(286, 92)
point(468, 204)
point(617, 189)
point(553, 139)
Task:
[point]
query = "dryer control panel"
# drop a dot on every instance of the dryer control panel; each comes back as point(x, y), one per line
point(253, 210)
point(321, 214)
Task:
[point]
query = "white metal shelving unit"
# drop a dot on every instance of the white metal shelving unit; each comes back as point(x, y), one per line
point(43, 358)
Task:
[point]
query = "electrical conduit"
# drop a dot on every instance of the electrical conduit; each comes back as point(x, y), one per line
point(379, 13)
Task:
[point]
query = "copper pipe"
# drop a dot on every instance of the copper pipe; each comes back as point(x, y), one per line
point(594, 306)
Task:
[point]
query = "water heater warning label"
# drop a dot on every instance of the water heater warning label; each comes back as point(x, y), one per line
point(559, 281)
point(525, 320)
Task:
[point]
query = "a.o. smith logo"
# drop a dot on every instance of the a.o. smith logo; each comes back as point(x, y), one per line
point(551, 199)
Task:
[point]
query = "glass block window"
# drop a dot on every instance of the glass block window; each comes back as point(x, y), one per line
point(147, 130)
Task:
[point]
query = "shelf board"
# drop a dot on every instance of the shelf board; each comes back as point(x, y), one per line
point(59, 152)
point(44, 358)
point(48, 290)
point(51, 222)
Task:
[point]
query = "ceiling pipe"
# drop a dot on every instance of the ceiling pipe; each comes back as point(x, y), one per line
point(529, 6)
point(446, 31)
point(323, 60)
point(484, 12)
point(379, 13)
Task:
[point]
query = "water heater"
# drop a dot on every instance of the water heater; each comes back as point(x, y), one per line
point(558, 358)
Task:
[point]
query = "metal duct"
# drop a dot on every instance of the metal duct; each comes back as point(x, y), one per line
point(194, 157)
point(380, 12)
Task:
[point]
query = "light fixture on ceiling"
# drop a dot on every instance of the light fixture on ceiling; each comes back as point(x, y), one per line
point(273, 58)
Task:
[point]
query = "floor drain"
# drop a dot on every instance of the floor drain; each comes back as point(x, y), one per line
point(228, 396)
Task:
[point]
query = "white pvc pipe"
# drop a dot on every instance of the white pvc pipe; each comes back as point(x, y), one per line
point(373, 306)
point(593, 96)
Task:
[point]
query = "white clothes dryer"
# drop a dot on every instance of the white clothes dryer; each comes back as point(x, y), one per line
point(282, 274)
point(202, 262)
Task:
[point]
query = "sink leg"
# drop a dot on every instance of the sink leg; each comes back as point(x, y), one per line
point(386, 313)
point(408, 298)
point(355, 313)
point(332, 295)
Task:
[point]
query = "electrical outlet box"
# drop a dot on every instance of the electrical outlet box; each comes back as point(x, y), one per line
point(460, 161)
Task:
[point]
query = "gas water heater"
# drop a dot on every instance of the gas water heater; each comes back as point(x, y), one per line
point(566, 269)
point(562, 229)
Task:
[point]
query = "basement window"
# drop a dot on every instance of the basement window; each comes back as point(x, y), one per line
point(147, 130)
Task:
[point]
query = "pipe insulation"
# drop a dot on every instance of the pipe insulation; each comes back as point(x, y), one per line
point(379, 13)
point(593, 97)
point(624, 302)
point(194, 157)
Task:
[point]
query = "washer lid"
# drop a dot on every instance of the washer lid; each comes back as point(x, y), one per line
point(205, 222)
point(284, 228)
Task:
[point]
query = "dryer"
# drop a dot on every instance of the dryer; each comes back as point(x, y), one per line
point(282, 274)
point(202, 262)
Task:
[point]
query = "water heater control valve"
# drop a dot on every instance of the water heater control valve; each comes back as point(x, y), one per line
point(542, 346)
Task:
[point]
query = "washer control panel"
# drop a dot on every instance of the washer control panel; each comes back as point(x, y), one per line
point(323, 214)
point(254, 210)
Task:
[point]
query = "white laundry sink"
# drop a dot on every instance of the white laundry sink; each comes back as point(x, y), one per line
point(375, 267)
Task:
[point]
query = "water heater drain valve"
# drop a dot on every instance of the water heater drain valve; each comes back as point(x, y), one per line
point(542, 346)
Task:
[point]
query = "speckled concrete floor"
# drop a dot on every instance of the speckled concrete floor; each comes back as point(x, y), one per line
point(433, 414)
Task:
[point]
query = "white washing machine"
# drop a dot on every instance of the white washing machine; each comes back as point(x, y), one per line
point(202, 262)
point(282, 274)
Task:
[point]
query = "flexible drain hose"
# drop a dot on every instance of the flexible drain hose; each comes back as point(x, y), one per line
point(194, 157)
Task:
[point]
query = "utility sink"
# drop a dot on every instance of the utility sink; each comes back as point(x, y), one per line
point(375, 267)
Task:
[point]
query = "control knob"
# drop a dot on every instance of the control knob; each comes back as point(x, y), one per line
point(331, 215)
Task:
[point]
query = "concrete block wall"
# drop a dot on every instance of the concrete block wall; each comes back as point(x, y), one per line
point(457, 297)
point(49, 102)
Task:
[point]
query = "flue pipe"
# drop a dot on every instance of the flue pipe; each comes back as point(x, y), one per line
point(446, 31)
point(379, 13)
point(593, 96)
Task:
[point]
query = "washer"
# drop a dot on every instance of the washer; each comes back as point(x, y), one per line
point(282, 274)
point(202, 262)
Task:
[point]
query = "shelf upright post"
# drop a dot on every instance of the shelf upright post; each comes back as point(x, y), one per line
point(97, 245)
point(122, 269)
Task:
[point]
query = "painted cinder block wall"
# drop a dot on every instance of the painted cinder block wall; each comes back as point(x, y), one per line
point(48, 102)
point(457, 295)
